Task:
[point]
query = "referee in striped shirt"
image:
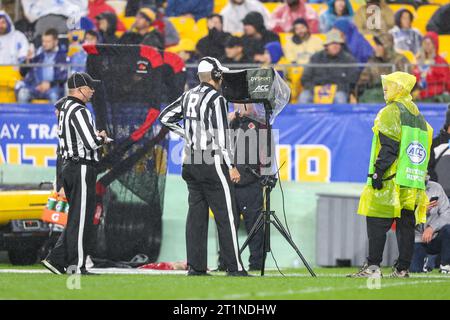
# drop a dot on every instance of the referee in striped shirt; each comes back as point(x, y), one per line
point(208, 168)
point(79, 142)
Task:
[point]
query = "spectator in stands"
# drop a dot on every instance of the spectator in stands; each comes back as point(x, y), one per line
point(302, 45)
point(78, 59)
point(213, 44)
point(197, 9)
point(367, 20)
point(98, 7)
point(13, 44)
point(185, 49)
point(433, 237)
point(142, 31)
point(439, 164)
point(133, 6)
point(255, 33)
point(369, 87)
point(236, 10)
point(282, 19)
point(341, 9)
point(50, 14)
point(45, 82)
point(355, 42)
point(440, 21)
point(234, 52)
point(343, 77)
point(166, 27)
point(432, 71)
point(271, 53)
point(405, 37)
point(107, 27)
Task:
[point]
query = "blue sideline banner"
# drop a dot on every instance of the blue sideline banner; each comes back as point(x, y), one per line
point(317, 143)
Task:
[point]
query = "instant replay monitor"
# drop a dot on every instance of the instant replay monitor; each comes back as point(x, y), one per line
point(263, 87)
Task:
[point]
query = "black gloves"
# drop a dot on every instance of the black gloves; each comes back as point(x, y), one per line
point(377, 180)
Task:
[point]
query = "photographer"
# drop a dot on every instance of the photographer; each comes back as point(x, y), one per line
point(433, 237)
point(249, 193)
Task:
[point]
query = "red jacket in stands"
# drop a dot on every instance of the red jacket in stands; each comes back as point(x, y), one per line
point(433, 80)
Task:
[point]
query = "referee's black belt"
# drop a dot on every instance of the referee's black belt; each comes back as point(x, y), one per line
point(77, 160)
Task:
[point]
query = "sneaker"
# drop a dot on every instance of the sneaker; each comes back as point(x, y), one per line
point(242, 273)
point(220, 268)
point(53, 267)
point(399, 274)
point(445, 269)
point(367, 271)
point(192, 272)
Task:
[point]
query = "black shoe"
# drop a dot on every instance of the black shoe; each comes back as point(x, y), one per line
point(193, 272)
point(254, 268)
point(242, 273)
point(87, 273)
point(53, 267)
point(220, 269)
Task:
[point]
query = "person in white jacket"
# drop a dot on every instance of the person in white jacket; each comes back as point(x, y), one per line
point(13, 43)
point(236, 10)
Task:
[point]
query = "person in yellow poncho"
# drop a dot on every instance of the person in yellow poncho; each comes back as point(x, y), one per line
point(395, 189)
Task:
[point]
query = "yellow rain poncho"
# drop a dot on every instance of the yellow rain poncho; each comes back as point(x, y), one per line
point(393, 197)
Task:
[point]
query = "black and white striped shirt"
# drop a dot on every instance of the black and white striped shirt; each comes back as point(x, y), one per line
point(76, 132)
point(204, 113)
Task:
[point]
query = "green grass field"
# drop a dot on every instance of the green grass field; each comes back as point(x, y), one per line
point(330, 284)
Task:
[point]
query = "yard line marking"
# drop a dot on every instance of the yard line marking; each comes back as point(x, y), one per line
point(324, 289)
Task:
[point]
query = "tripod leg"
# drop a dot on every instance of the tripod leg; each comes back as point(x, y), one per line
point(258, 224)
point(266, 244)
point(283, 232)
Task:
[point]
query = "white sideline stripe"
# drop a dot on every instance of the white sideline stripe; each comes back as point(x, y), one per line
point(226, 189)
point(324, 289)
point(183, 272)
point(82, 218)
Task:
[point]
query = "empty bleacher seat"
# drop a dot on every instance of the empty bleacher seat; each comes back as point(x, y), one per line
point(185, 26)
point(423, 15)
point(396, 7)
point(8, 77)
point(127, 22)
point(219, 5)
point(444, 47)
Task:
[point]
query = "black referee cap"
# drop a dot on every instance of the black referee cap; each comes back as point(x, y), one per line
point(81, 79)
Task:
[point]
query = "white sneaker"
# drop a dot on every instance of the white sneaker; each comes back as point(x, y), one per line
point(445, 269)
point(367, 271)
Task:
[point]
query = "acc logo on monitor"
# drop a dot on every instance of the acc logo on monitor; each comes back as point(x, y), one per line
point(416, 152)
point(261, 88)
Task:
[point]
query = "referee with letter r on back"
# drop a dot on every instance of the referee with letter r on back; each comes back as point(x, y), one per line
point(79, 142)
point(208, 168)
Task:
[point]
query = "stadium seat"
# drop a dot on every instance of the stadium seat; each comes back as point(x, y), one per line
point(271, 6)
point(185, 27)
point(423, 15)
point(8, 77)
point(409, 55)
point(396, 7)
point(444, 47)
point(284, 36)
point(40, 101)
point(118, 5)
point(200, 30)
point(318, 7)
point(294, 76)
point(356, 4)
point(322, 36)
point(369, 37)
point(219, 5)
point(441, 2)
point(128, 22)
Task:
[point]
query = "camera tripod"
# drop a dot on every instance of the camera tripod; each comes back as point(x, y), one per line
point(268, 217)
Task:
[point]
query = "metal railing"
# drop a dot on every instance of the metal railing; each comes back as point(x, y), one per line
point(291, 72)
